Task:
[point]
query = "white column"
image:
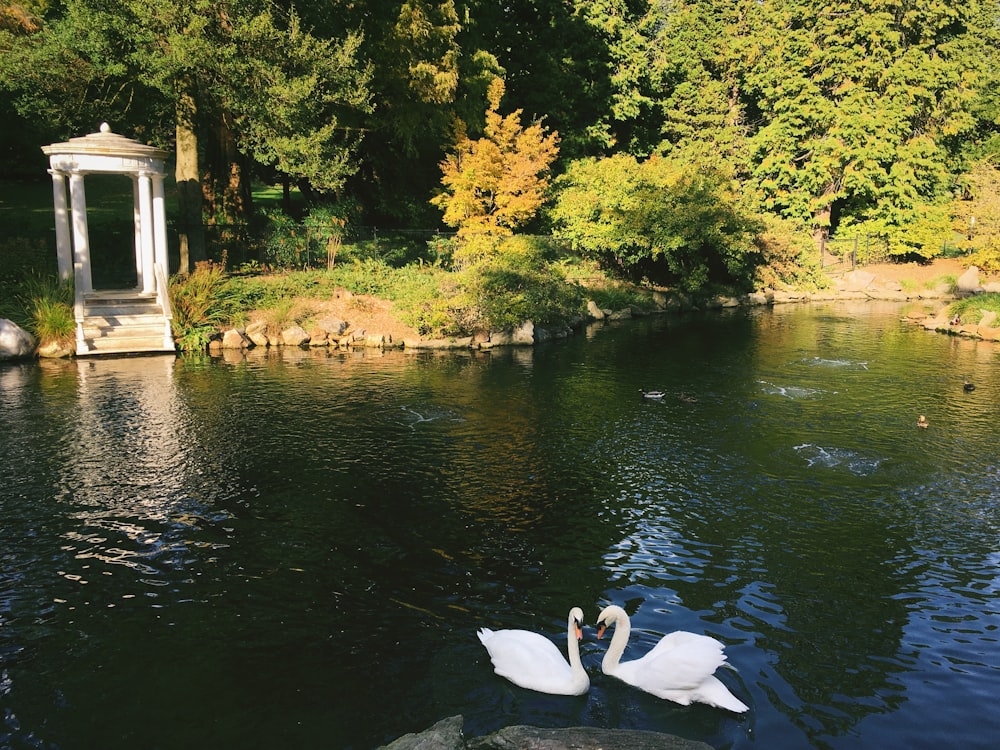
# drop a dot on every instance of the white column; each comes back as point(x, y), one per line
point(137, 228)
point(160, 224)
point(81, 239)
point(146, 232)
point(64, 248)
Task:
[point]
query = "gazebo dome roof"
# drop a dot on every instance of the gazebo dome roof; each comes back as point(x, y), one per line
point(105, 143)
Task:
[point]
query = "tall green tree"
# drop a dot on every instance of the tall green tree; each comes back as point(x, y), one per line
point(620, 49)
point(698, 76)
point(556, 63)
point(426, 71)
point(858, 104)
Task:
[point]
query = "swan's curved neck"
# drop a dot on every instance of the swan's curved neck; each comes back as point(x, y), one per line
point(573, 651)
point(618, 642)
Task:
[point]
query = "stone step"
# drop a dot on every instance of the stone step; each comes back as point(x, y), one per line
point(122, 320)
point(126, 344)
point(135, 338)
point(117, 311)
point(122, 332)
point(118, 295)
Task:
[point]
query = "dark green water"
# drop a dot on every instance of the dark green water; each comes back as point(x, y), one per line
point(297, 550)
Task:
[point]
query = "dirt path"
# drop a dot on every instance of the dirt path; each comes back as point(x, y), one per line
point(921, 273)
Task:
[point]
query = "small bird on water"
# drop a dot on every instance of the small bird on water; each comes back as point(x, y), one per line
point(967, 386)
point(922, 422)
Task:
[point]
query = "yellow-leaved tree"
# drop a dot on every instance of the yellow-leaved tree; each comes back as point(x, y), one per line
point(496, 183)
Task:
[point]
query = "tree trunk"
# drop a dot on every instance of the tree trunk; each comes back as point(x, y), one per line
point(821, 225)
point(823, 213)
point(189, 225)
point(227, 191)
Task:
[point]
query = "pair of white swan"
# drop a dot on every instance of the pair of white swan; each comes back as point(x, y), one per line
point(679, 668)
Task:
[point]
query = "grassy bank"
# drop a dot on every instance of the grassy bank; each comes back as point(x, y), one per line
point(430, 300)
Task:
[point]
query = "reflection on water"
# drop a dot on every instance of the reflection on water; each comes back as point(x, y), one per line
point(295, 548)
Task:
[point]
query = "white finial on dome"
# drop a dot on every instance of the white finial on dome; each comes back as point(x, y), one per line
point(105, 128)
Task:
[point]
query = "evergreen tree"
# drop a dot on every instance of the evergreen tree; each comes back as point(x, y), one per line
point(426, 72)
point(857, 103)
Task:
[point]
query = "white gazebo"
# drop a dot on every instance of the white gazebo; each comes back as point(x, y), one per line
point(121, 320)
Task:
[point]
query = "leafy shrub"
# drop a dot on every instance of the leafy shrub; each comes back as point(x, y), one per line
point(988, 257)
point(48, 305)
point(441, 250)
point(200, 305)
point(369, 276)
point(325, 228)
point(287, 242)
point(789, 257)
point(656, 219)
point(437, 311)
point(504, 291)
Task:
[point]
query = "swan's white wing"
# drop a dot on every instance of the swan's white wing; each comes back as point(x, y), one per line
point(528, 659)
point(714, 693)
point(679, 662)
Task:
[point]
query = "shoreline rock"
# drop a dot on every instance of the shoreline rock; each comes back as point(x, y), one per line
point(447, 735)
point(15, 342)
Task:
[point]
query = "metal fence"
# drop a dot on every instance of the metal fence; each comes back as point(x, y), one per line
point(851, 252)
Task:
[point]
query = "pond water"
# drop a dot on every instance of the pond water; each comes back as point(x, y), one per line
point(296, 549)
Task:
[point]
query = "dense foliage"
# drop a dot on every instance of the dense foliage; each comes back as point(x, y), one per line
point(687, 130)
point(657, 219)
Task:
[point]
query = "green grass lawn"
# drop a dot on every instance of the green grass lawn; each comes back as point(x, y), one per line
point(26, 208)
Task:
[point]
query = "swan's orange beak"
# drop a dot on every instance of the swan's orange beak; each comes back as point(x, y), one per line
point(579, 632)
point(600, 631)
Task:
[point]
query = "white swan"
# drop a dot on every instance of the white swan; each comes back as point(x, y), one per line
point(679, 668)
point(532, 661)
